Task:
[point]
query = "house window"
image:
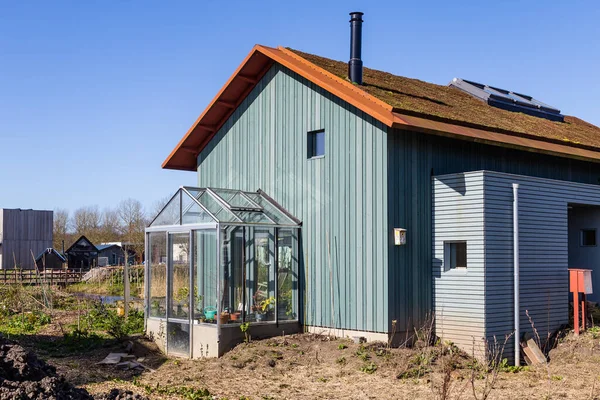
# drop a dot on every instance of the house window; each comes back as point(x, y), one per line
point(316, 144)
point(455, 254)
point(588, 237)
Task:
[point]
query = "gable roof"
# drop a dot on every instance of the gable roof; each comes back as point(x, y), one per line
point(51, 251)
point(101, 247)
point(397, 102)
point(85, 242)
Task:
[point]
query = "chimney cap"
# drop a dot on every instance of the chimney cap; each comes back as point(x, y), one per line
point(357, 14)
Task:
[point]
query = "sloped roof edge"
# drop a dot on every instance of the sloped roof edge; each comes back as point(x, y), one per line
point(261, 58)
point(514, 141)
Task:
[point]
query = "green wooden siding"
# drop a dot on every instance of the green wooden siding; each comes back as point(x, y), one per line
point(414, 158)
point(340, 198)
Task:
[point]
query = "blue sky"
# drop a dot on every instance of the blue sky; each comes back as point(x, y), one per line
point(95, 94)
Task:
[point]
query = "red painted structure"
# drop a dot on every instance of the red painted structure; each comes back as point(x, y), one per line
point(580, 281)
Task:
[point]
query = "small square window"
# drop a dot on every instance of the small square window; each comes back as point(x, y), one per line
point(316, 144)
point(588, 237)
point(455, 254)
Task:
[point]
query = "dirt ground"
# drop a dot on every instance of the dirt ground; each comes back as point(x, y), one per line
point(308, 366)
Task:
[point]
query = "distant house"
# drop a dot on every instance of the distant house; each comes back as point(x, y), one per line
point(23, 234)
point(82, 254)
point(112, 254)
point(50, 259)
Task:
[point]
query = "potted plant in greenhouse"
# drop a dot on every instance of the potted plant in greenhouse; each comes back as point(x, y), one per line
point(262, 308)
point(183, 299)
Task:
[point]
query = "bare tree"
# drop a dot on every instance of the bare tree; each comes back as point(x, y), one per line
point(111, 226)
point(133, 222)
point(60, 228)
point(87, 221)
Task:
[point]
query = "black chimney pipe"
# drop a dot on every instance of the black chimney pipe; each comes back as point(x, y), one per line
point(355, 65)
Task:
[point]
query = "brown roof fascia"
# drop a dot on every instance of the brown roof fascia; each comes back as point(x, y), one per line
point(425, 125)
point(174, 160)
point(181, 158)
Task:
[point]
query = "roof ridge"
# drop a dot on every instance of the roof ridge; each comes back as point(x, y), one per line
point(345, 82)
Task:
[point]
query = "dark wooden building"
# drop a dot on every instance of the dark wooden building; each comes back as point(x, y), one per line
point(23, 233)
point(82, 254)
point(50, 259)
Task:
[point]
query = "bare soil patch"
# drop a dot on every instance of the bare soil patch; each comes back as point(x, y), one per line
point(306, 366)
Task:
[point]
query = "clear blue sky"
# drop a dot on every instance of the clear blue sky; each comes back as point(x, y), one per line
point(95, 94)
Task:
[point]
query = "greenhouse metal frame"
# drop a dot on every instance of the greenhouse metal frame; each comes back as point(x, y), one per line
point(217, 259)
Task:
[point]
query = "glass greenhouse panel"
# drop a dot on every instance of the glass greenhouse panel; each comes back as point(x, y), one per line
point(179, 276)
point(287, 275)
point(204, 275)
point(234, 273)
point(217, 209)
point(194, 214)
point(157, 274)
point(263, 276)
point(269, 209)
point(171, 213)
point(178, 338)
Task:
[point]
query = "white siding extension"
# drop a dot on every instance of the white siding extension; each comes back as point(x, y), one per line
point(544, 252)
point(458, 294)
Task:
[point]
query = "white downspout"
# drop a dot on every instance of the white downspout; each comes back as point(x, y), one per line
point(516, 271)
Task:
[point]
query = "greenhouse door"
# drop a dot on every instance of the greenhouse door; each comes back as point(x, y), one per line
point(178, 294)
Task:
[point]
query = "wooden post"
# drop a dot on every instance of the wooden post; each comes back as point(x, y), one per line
point(126, 282)
point(576, 312)
point(583, 311)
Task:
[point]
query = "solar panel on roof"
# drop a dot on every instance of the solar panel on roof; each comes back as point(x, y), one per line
point(508, 100)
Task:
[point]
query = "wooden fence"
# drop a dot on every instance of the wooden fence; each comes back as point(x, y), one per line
point(35, 277)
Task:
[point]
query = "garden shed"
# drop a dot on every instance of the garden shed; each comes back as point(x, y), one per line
point(220, 258)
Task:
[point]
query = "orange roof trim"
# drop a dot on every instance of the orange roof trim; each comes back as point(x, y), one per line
point(261, 58)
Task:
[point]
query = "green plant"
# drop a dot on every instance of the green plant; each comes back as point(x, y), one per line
point(101, 317)
point(341, 360)
point(342, 346)
point(504, 366)
point(267, 303)
point(25, 323)
point(363, 353)
point(244, 328)
point(369, 368)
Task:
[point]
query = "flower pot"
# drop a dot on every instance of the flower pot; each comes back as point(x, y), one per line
point(224, 317)
point(236, 316)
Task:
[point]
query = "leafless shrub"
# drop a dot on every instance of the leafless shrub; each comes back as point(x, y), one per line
point(538, 342)
point(487, 370)
point(443, 384)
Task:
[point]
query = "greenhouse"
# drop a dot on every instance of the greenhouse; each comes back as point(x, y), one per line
point(221, 265)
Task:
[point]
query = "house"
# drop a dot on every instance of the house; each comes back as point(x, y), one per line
point(112, 254)
point(82, 254)
point(50, 259)
point(409, 198)
point(23, 235)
